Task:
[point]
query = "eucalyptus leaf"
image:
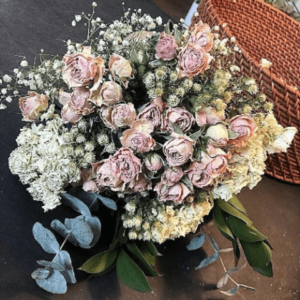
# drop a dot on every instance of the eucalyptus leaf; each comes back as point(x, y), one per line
point(95, 224)
point(75, 204)
point(63, 258)
point(176, 128)
point(45, 238)
point(81, 231)
point(138, 257)
point(87, 198)
point(55, 283)
point(51, 265)
point(244, 232)
point(41, 273)
point(195, 136)
point(232, 134)
point(207, 261)
point(223, 281)
point(188, 183)
point(130, 274)
point(231, 292)
point(61, 229)
point(197, 242)
point(247, 287)
point(100, 262)
point(214, 243)
point(107, 202)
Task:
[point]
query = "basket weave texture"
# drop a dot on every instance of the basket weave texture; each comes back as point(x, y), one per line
point(263, 31)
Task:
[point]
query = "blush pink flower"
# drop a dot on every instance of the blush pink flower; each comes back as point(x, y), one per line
point(153, 113)
point(107, 175)
point(209, 115)
point(140, 184)
point(172, 176)
point(138, 137)
point(123, 115)
point(198, 175)
point(32, 105)
point(193, 60)
point(202, 36)
point(153, 162)
point(166, 47)
point(176, 193)
point(120, 68)
point(180, 117)
point(218, 135)
point(245, 127)
point(83, 68)
point(76, 105)
point(178, 150)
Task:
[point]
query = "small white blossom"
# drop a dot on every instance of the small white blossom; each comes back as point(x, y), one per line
point(24, 63)
point(7, 78)
point(73, 23)
point(77, 18)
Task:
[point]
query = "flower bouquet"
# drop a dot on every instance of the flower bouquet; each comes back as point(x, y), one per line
point(158, 126)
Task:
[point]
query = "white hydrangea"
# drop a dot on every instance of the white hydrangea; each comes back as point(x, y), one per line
point(44, 161)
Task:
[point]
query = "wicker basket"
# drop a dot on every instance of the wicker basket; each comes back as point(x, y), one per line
point(263, 31)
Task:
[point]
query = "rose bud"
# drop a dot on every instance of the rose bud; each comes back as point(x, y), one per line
point(218, 135)
point(68, 115)
point(172, 176)
point(32, 105)
point(209, 115)
point(176, 193)
point(193, 60)
point(153, 162)
point(180, 117)
point(120, 67)
point(153, 113)
point(197, 174)
point(166, 47)
point(138, 137)
point(80, 69)
point(244, 126)
point(202, 36)
point(178, 150)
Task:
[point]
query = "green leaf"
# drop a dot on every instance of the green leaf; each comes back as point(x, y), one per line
point(130, 274)
point(232, 210)
point(266, 271)
point(141, 70)
point(188, 183)
point(152, 248)
point(244, 232)
point(237, 204)
point(138, 257)
point(147, 255)
point(258, 256)
point(236, 251)
point(195, 136)
point(103, 272)
point(122, 235)
point(100, 262)
point(221, 223)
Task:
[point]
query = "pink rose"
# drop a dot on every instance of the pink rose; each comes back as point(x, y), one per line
point(202, 36)
point(209, 115)
point(140, 184)
point(166, 47)
point(31, 106)
point(126, 165)
point(178, 150)
point(80, 69)
point(110, 93)
point(193, 60)
point(180, 117)
point(153, 162)
point(172, 176)
point(120, 68)
point(121, 115)
point(215, 161)
point(176, 193)
point(245, 127)
point(107, 175)
point(198, 175)
point(138, 137)
point(76, 105)
point(153, 113)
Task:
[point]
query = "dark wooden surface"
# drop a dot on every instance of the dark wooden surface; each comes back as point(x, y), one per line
point(26, 27)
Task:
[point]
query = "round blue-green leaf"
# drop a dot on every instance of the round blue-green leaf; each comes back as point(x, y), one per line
point(45, 238)
point(62, 230)
point(40, 273)
point(55, 283)
point(207, 261)
point(81, 231)
point(63, 258)
point(196, 242)
point(51, 264)
point(130, 274)
point(75, 204)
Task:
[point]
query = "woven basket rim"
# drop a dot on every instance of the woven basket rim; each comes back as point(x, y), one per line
point(290, 88)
